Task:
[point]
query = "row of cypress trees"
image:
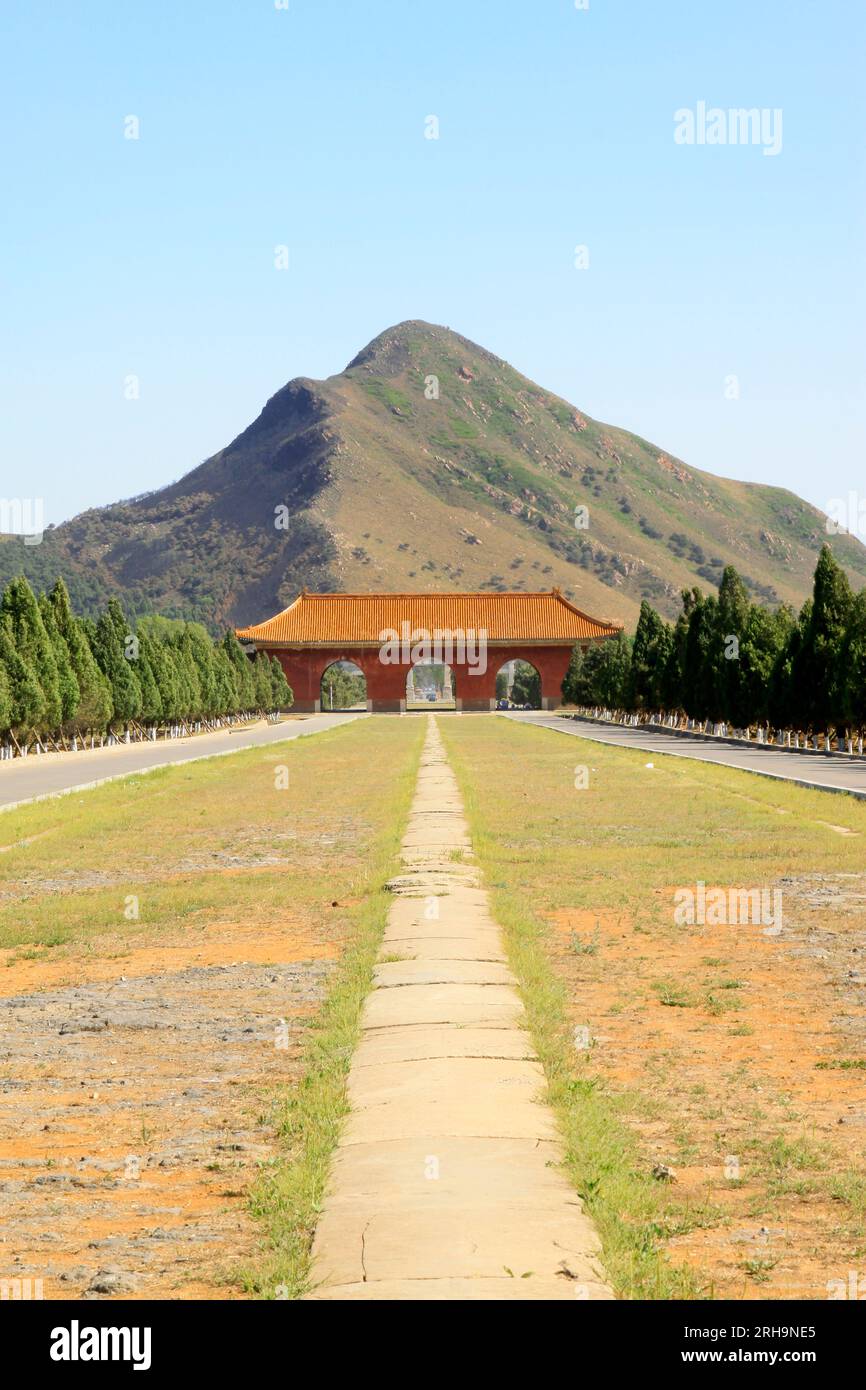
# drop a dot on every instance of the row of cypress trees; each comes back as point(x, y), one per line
point(64, 676)
point(730, 660)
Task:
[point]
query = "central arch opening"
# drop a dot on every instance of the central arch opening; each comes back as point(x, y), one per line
point(430, 685)
point(518, 686)
point(343, 687)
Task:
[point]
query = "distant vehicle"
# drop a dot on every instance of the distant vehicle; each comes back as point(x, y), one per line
point(527, 706)
point(502, 704)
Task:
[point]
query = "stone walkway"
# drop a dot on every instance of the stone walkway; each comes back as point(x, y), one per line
point(446, 1184)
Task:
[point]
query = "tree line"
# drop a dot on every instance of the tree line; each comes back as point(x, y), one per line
point(63, 677)
point(729, 660)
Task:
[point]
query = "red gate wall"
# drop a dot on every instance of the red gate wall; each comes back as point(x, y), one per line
point(386, 684)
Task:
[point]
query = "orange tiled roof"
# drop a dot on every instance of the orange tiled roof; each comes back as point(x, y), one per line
point(327, 619)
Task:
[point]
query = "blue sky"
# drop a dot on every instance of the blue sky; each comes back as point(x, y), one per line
point(306, 127)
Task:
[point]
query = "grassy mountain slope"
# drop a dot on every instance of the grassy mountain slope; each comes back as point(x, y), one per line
point(389, 485)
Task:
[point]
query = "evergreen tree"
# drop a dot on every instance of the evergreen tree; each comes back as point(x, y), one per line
point(852, 666)
point(700, 678)
point(5, 700)
point(281, 691)
point(763, 644)
point(151, 699)
point(94, 696)
point(226, 682)
point(816, 670)
point(611, 680)
point(243, 670)
point(67, 683)
point(200, 649)
point(113, 650)
point(152, 654)
point(263, 681)
point(574, 685)
point(119, 622)
point(26, 696)
point(653, 644)
point(21, 610)
point(732, 618)
point(785, 702)
point(729, 659)
point(189, 685)
point(601, 675)
point(154, 635)
point(674, 674)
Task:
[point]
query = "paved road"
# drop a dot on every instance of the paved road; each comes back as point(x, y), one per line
point(828, 772)
point(51, 774)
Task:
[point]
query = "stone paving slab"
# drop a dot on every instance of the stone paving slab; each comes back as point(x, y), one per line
point(448, 1096)
point(400, 974)
point(434, 1083)
point(450, 1116)
point(436, 919)
point(473, 1242)
point(487, 1171)
point(447, 1182)
point(419, 1043)
point(442, 1004)
point(504, 1289)
point(440, 948)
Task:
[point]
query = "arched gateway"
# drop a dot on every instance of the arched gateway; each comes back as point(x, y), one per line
point(385, 635)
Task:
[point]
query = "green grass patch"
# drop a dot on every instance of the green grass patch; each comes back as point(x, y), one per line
point(462, 428)
point(843, 1064)
point(672, 995)
point(388, 395)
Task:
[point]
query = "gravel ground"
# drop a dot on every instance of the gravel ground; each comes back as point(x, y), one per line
point(132, 1124)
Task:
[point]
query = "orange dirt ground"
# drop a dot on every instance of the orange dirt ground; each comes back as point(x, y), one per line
point(137, 1113)
point(730, 1069)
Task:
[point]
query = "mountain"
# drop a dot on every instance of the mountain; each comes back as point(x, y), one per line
point(431, 464)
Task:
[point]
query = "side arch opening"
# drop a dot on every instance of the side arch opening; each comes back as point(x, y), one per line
point(518, 685)
point(343, 687)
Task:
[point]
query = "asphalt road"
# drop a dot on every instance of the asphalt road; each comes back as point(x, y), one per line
point(828, 772)
point(52, 774)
